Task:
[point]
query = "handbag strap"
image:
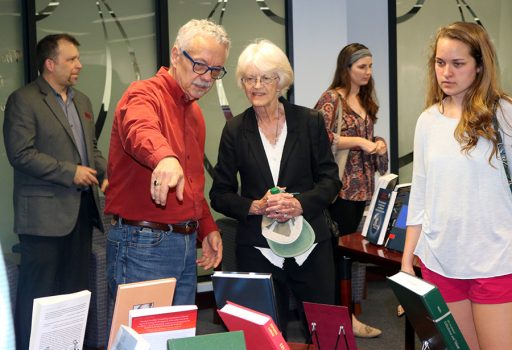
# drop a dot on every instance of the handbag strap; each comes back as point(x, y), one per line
point(501, 148)
point(339, 116)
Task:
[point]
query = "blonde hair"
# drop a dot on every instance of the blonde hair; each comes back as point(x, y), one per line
point(268, 58)
point(484, 93)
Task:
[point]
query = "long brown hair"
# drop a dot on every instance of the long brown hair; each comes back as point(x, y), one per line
point(341, 80)
point(482, 96)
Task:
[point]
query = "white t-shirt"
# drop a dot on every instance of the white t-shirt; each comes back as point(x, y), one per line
point(463, 204)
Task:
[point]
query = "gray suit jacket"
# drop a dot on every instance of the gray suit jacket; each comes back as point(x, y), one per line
point(41, 148)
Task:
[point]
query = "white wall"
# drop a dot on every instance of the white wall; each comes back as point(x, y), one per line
point(321, 29)
point(319, 32)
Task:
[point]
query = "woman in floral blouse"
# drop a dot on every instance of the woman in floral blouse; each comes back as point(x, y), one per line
point(350, 100)
point(352, 94)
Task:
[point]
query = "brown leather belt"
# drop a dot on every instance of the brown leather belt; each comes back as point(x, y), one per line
point(185, 228)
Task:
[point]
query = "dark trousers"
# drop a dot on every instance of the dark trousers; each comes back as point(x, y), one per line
point(313, 281)
point(347, 214)
point(52, 266)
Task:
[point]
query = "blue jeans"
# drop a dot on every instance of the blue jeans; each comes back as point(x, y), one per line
point(137, 254)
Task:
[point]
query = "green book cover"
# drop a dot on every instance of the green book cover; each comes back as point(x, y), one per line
point(215, 341)
point(428, 313)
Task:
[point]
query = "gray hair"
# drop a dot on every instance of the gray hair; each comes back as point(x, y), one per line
point(201, 27)
point(268, 58)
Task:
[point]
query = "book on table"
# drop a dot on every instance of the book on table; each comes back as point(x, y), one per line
point(428, 313)
point(139, 295)
point(385, 212)
point(128, 339)
point(159, 324)
point(396, 237)
point(260, 331)
point(378, 217)
point(216, 341)
point(330, 326)
point(252, 290)
point(387, 182)
point(59, 321)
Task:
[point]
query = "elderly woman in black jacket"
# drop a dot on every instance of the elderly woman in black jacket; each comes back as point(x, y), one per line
point(275, 143)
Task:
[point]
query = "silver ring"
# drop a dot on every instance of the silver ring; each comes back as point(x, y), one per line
point(156, 183)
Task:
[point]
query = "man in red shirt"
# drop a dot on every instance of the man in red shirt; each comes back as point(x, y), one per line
point(156, 172)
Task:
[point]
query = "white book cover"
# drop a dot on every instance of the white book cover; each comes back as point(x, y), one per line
point(128, 339)
point(59, 321)
point(159, 324)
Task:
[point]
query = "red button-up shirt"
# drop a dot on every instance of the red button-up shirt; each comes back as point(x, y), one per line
point(154, 120)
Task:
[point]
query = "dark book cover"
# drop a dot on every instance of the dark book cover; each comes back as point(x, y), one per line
point(399, 197)
point(252, 290)
point(378, 225)
point(330, 326)
point(396, 237)
point(428, 313)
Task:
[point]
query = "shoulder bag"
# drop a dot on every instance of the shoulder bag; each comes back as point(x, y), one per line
point(340, 155)
point(501, 148)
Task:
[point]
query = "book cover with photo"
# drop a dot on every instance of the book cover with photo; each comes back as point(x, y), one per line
point(378, 219)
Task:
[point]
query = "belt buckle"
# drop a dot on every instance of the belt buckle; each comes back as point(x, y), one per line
point(187, 227)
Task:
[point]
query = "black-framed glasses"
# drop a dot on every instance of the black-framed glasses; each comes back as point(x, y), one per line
point(201, 68)
point(264, 80)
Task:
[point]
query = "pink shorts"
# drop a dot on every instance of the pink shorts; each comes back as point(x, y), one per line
point(492, 290)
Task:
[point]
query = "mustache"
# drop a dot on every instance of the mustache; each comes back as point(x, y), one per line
point(203, 84)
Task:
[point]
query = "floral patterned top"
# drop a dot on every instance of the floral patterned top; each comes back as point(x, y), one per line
point(359, 176)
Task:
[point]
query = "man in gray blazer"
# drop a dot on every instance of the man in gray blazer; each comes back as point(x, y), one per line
point(50, 143)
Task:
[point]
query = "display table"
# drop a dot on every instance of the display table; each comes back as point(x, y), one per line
point(354, 246)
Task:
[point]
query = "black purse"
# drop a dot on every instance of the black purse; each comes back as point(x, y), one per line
point(331, 224)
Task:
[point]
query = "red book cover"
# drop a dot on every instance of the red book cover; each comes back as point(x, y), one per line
point(327, 320)
point(261, 333)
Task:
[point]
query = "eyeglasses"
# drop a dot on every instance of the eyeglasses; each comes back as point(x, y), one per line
point(264, 80)
point(201, 68)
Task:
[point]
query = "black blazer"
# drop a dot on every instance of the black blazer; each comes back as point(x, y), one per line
point(307, 167)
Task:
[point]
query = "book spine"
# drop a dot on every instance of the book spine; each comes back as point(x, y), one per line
point(444, 321)
point(275, 337)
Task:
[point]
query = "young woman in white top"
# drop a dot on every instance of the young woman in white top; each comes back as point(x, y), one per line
point(460, 210)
